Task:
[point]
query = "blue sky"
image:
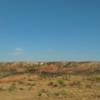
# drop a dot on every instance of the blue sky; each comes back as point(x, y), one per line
point(49, 30)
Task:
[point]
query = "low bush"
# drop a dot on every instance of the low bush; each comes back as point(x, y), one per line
point(12, 87)
point(62, 93)
point(61, 82)
point(43, 93)
point(75, 83)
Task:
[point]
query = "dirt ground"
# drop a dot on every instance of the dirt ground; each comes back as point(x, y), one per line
point(50, 81)
point(33, 87)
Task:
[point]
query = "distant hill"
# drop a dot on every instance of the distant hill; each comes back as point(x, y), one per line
point(12, 68)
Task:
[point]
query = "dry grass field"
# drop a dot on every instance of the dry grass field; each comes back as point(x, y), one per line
point(50, 81)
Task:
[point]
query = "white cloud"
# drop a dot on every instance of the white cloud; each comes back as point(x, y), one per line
point(17, 52)
point(18, 49)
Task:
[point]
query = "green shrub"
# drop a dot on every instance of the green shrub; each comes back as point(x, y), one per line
point(61, 82)
point(44, 74)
